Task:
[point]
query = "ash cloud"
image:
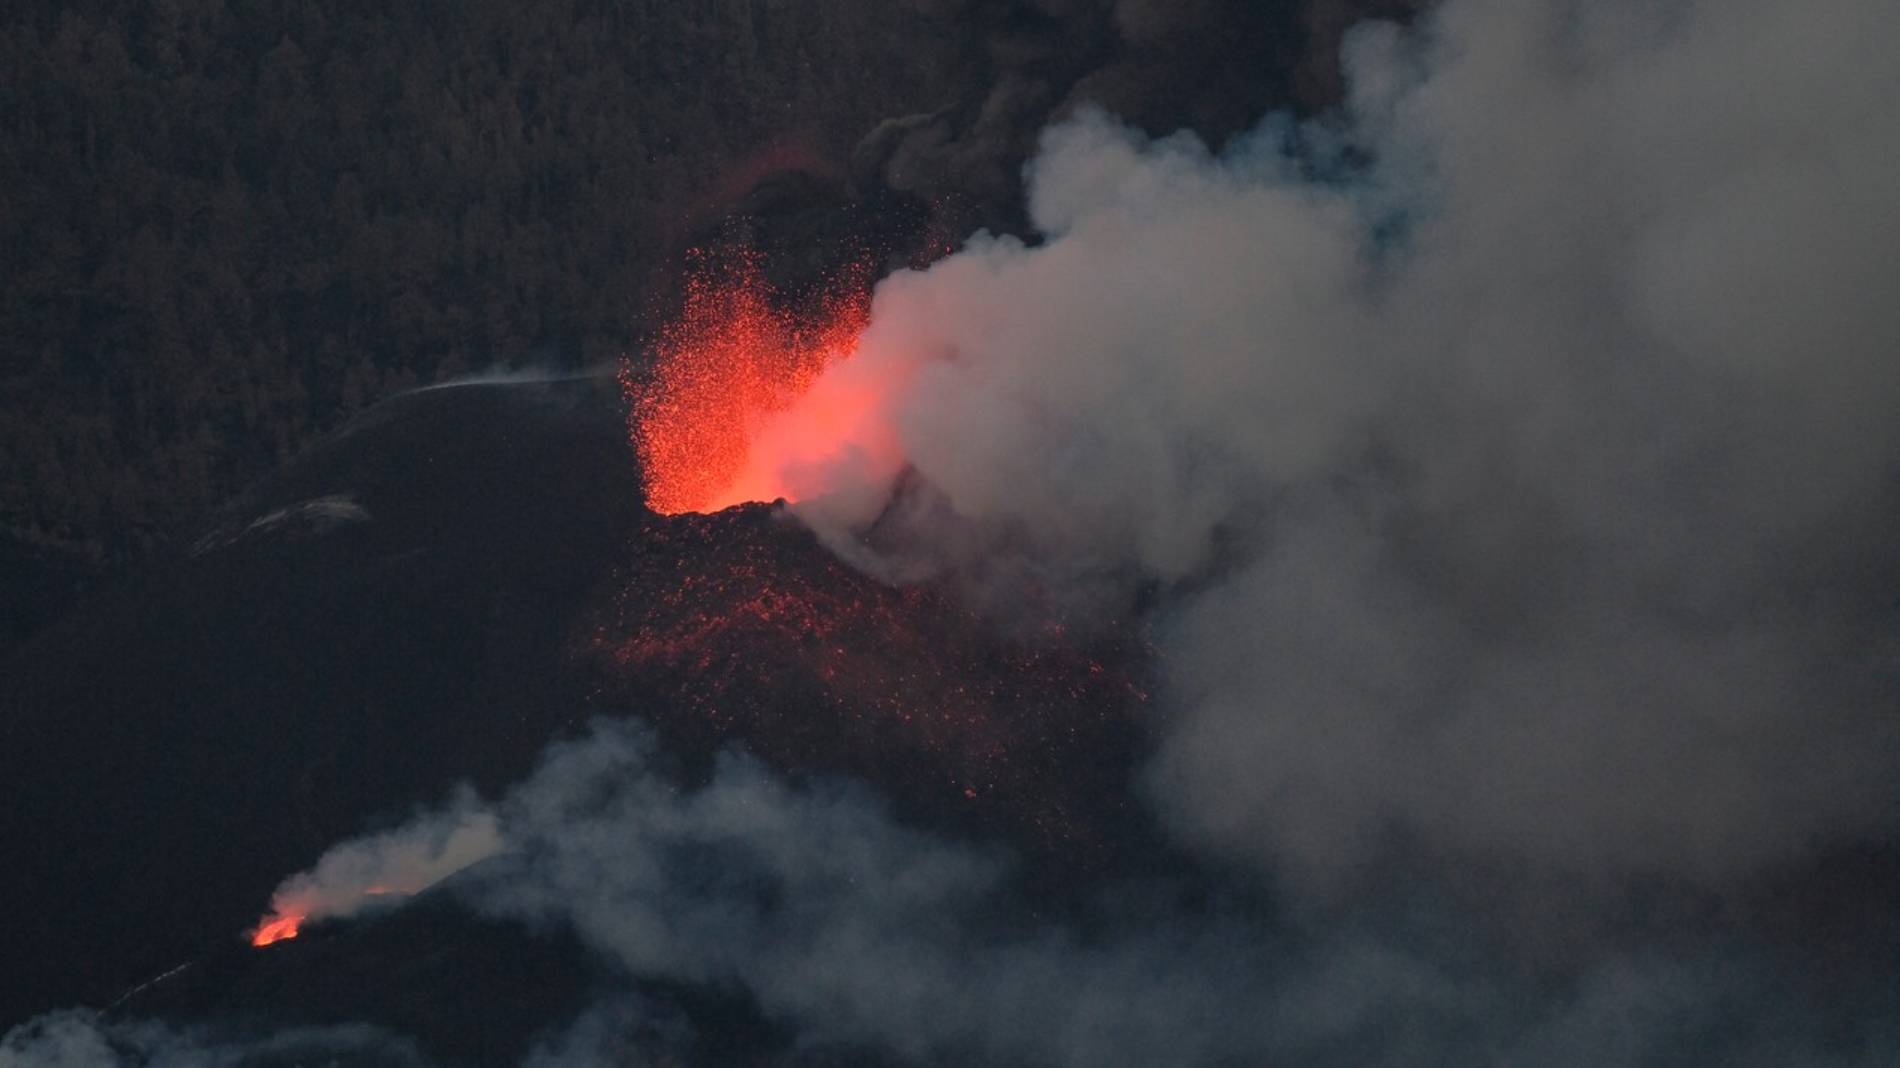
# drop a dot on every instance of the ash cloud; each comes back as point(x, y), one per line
point(1524, 494)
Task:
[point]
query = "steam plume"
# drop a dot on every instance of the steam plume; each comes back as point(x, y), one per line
point(1526, 492)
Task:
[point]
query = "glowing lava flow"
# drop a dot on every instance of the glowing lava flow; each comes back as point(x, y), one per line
point(286, 920)
point(278, 928)
point(704, 417)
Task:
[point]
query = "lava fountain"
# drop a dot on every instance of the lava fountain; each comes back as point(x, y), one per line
point(712, 418)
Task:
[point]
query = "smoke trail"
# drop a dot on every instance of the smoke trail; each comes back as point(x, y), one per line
point(381, 868)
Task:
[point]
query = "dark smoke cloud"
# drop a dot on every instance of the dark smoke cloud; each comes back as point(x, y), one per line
point(1210, 65)
point(1527, 492)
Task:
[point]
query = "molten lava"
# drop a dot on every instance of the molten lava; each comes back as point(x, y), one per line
point(704, 417)
point(280, 927)
point(729, 624)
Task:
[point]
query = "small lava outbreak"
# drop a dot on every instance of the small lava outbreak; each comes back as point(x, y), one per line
point(734, 357)
point(279, 927)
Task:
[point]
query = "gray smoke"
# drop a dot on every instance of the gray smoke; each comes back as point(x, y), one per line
point(1526, 493)
point(384, 868)
point(1515, 455)
point(83, 1040)
point(860, 934)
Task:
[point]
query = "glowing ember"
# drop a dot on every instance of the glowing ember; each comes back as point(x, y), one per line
point(738, 627)
point(704, 417)
point(278, 928)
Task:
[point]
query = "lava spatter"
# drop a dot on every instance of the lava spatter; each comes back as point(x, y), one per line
point(739, 627)
point(733, 624)
point(736, 355)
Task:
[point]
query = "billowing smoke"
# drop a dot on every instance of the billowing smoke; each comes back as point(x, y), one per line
point(381, 868)
point(1513, 457)
point(861, 934)
point(1519, 449)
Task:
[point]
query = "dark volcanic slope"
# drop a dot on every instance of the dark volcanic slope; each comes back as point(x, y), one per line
point(463, 991)
point(740, 627)
point(459, 990)
point(382, 621)
point(428, 599)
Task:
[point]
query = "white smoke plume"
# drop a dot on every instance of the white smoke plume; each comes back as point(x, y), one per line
point(1526, 492)
point(383, 868)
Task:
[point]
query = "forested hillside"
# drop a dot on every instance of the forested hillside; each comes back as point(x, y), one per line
point(226, 226)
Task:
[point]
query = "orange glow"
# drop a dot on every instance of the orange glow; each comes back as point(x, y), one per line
point(279, 928)
point(707, 419)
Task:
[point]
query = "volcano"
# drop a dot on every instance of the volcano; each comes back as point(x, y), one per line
point(427, 599)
